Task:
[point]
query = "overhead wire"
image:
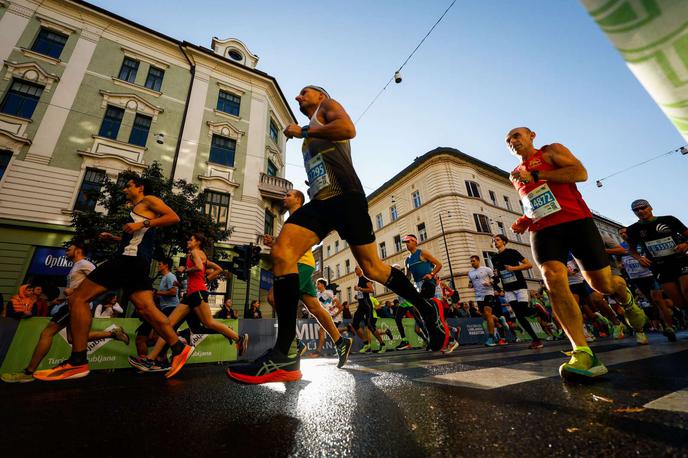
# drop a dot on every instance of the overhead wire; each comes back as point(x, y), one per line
point(683, 150)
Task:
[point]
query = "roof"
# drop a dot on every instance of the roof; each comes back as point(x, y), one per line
point(439, 151)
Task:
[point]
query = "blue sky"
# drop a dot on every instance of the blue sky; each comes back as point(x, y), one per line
point(489, 66)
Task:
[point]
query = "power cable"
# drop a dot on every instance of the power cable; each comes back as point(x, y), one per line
point(683, 150)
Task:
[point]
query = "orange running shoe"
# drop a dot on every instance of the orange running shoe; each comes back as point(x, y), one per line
point(63, 371)
point(179, 360)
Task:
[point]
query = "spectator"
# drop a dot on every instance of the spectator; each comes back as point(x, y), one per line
point(227, 312)
point(386, 310)
point(109, 308)
point(22, 304)
point(41, 307)
point(167, 293)
point(473, 310)
point(395, 306)
point(254, 312)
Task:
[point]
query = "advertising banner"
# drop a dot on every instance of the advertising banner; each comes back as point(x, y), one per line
point(50, 261)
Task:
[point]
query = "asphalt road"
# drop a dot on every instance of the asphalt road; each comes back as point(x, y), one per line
point(505, 401)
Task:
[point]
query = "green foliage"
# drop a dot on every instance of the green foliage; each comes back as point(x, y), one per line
point(181, 196)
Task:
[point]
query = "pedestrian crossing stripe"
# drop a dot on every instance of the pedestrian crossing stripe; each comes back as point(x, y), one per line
point(673, 402)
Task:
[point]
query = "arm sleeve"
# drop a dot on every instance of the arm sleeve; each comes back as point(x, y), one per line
point(118, 308)
point(99, 310)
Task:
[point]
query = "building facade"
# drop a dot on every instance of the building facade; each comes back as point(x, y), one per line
point(86, 94)
point(453, 203)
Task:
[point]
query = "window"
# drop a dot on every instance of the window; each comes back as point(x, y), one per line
point(154, 78)
point(139, 133)
point(347, 266)
point(378, 220)
point(383, 250)
point(49, 43)
point(269, 223)
point(274, 132)
point(111, 122)
point(507, 203)
point(89, 192)
point(416, 199)
point(482, 224)
point(487, 258)
point(229, 103)
point(21, 99)
point(317, 265)
point(5, 157)
point(336, 246)
point(493, 198)
point(222, 150)
point(336, 269)
point(272, 169)
point(217, 206)
point(329, 250)
point(500, 226)
point(473, 189)
point(393, 213)
point(348, 293)
point(128, 70)
point(518, 237)
point(397, 243)
point(422, 233)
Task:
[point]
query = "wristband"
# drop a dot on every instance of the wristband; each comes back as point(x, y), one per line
point(304, 131)
point(146, 223)
point(536, 176)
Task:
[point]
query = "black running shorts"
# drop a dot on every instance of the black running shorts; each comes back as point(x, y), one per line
point(195, 299)
point(670, 272)
point(347, 214)
point(61, 318)
point(579, 290)
point(129, 273)
point(488, 301)
point(580, 237)
point(646, 285)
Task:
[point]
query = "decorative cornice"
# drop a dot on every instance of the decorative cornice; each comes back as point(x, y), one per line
point(137, 87)
point(228, 87)
point(232, 184)
point(225, 129)
point(36, 55)
point(50, 23)
point(20, 10)
point(145, 58)
point(30, 71)
point(224, 114)
point(274, 153)
point(138, 165)
point(132, 102)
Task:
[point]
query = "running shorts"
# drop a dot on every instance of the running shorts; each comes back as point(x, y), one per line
point(579, 290)
point(486, 301)
point(670, 272)
point(195, 299)
point(306, 286)
point(646, 285)
point(61, 317)
point(520, 295)
point(347, 214)
point(581, 237)
point(129, 273)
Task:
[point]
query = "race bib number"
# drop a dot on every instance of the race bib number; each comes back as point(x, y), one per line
point(359, 295)
point(661, 248)
point(507, 277)
point(633, 268)
point(317, 175)
point(540, 202)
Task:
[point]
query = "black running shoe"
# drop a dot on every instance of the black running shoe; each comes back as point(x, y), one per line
point(343, 350)
point(273, 366)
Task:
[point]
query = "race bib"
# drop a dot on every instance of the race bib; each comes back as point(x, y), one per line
point(633, 268)
point(662, 247)
point(317, 175)
point(507, 277)
point(540, 202)
point(359, 295)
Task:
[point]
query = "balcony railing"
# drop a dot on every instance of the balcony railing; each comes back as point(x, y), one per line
point(273, 187)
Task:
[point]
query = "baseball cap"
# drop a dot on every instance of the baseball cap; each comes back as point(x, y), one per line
point(639, 203)
point(319, 89)
point(409, 237)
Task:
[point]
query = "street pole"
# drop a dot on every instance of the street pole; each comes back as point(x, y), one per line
point(247, 264)
point(446, 249)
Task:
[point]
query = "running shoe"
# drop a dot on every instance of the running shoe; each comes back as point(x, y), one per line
point(141, 363)
point(670, 334)
point(119, 334)
point(635, 317)
point(301, 347)
point(380, 350)
point(582, 364)
point(618, 332)
point(343, 350)
point(490, 342)
point(452, 346)
point(536, 345)
point(17, 377)
point(242, 345)
point(389, 334)
point(365, 349)
point(437, 327)
point(403, 345)
point(63, 371)
point(588, 336)
point(641, 338)
point(501, 342)
point(179, 360)
point(273, 366)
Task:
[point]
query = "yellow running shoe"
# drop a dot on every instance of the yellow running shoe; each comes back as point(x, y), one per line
point(582, 364)
point(635, 317)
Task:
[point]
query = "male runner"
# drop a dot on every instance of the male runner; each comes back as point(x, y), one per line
point(423, 267)
point(510, 265)
point(80, 269)
point(480, 278)
point(328, 302)
point(663, 239)
point(338, 203)
point(127, 269)
point(559, 221)
point(402, 311)
point(291, 202)
point(365, 314)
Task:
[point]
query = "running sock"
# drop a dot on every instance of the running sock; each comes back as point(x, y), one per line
point(519, 309)
point(629, 300)
point(401, 285)
point(28, 372)
point(583, 348)
point(286, 291)
point(177, 347)
point(78, 358)
point(338, 341)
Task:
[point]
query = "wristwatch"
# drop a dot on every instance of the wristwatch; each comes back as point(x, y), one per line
point(146, 223)
point(536, 176)
point(304, 131)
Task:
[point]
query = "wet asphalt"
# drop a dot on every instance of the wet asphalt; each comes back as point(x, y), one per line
point(408, 404)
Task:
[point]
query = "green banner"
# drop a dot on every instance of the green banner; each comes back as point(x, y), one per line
point(389, 323)
point(106, 353)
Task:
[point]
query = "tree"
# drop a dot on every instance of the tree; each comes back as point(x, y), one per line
point(181, 196)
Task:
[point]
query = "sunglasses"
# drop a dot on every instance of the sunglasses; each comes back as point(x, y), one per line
point(644, 207)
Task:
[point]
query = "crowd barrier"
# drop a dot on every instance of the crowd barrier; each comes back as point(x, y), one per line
point(19, 338)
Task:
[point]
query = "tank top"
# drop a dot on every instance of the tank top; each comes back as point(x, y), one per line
point(549, 203)
point(140, 243)
point(195, 279)
point(329, 166)
point(418, 267)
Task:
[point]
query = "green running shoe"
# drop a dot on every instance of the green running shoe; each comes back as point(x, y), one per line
point(17, 377)
point(365, 349)
point(581, 364)
point(641, 338)
point(635, 317)
point(381, 350)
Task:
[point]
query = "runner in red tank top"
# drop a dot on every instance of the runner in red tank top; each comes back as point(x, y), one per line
point(560, 222)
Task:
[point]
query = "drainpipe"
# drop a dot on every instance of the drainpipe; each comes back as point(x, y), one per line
point(186, 109)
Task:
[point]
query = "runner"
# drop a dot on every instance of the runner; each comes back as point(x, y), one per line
point(509, 266)
point(80, 269)
point(329, 303)
point(480, 279)
point(292, 201)
point(663, 239)
point(196, 301)
point(338, 203)
point(404, 309)
point(365, 314)
point(423, 267)
point(559, 221)
point(127, 269)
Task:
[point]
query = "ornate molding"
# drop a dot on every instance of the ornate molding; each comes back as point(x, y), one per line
point(145, 58)
point(30, 71)
point(130, 102)
point(51, 24)
point(12, 142)
point(107, 147)
point(14, 125)
point(224, 114)
point(20, 10)
point(225, 129)
point(36, 55)
point(228, 87)
point(129, 85)
point(274, 155)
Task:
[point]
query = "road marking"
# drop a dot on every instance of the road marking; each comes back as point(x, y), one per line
point(674, 402)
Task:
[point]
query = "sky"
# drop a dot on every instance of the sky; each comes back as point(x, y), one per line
point(488, 66)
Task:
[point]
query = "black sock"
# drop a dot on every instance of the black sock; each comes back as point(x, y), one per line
point(520, 310)
point(177, 347)
point(28, 372)
point(77, 358)
point(286, 291)
point(401, 285)
point(338, 341)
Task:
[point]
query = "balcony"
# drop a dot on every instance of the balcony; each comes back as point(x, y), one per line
point(273, 187)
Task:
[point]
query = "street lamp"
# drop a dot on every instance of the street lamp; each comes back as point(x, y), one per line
point(446, 249)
